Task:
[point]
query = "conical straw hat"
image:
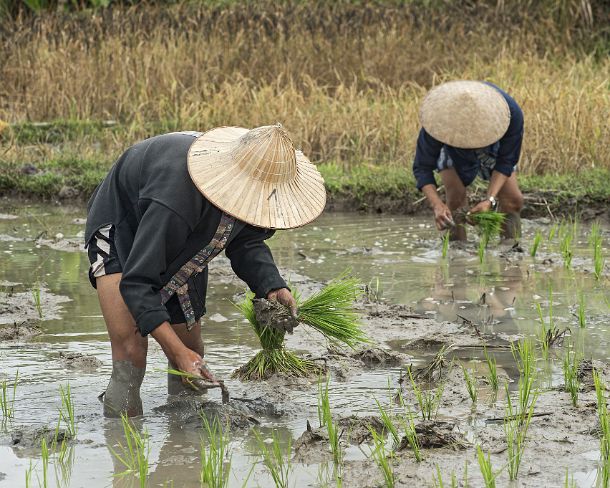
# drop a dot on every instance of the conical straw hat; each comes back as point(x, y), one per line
point(465, 114)
point(257, 176)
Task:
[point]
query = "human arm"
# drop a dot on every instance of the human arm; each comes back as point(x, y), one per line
point(495, 185)
point(442, 214)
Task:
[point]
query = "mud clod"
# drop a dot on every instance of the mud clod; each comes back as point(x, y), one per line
point(20, 332)
point(377, 356)
point(435, 434)
point(274, 314)
point(29, 437)
point(77, 360)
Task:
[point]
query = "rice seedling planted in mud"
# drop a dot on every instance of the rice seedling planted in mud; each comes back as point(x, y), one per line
point(7, 397)
point(44, 453)
point(489, 224)
point(595, 241)
point(471, 384)
point(571, 363)
point(326, 420)
point(66, 412)
point(604, 429)
point(330, 311)
point(445, 248)
point(36, 299)
point(379, 455)
point(28, 475)
point(536, 243)
point(428, 400)
point(133, 455)
point(388, 424)
point(516, 425)
point(275, 459)
point(523, 353)
point(582, 318)
point(437, 481)
point(492, 378)
point(214, 455)
point(489, 478)
point(411, 434)
point(567, 233)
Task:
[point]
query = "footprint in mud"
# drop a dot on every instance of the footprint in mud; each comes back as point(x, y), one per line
point(239, 413)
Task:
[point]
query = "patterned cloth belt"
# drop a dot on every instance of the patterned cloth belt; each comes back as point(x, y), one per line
point(178, 284)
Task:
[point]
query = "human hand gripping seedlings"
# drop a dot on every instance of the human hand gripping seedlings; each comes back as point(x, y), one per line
point(443, 217)
point(278, 311)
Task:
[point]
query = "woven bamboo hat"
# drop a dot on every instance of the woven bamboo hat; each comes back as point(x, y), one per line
point(257, 176)
point(465, 114)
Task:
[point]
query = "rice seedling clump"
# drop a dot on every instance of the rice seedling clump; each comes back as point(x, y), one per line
point(489, 224)
point(330, 311)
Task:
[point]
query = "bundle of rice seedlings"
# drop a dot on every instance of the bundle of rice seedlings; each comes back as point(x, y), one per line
point(330, 311)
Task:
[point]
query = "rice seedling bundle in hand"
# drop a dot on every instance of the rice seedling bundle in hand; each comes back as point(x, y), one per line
point(330, 311)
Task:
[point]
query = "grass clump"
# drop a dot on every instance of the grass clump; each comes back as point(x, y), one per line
point(215, 458)
point(330, 311)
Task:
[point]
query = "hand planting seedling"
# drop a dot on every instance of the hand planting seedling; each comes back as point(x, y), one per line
point(330, 311)
point(489, 224)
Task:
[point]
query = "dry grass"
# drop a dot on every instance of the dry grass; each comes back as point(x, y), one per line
point(345, 80)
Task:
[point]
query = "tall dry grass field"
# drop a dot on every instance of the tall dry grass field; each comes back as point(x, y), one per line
point(346, 79)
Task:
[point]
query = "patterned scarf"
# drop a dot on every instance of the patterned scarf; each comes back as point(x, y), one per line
point(178, 284)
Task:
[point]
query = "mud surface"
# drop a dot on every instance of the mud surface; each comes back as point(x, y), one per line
point(17, 307)
point(416, 305)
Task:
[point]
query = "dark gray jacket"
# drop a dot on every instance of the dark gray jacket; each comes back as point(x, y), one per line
point(161, 220)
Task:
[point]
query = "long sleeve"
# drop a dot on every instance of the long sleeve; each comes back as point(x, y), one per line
point(510, 143)
point(426, 155)
point(252, 261)
point(160, 236)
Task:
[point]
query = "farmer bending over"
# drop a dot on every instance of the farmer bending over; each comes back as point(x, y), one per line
point(470, 128)
point(168, 206)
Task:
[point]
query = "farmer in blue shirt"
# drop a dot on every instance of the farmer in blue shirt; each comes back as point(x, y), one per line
point(470, 128)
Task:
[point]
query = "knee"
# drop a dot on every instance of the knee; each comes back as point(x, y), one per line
point(512, 204)
point(456, 198)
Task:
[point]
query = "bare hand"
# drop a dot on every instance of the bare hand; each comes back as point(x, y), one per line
point(192, 363)
point(483, 206)
point(284, 297)
point(442, 216)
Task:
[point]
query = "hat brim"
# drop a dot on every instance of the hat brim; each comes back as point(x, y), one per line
point(465, 114)
point(272, 205)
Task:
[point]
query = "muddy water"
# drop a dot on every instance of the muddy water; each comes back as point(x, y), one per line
point(399, 257)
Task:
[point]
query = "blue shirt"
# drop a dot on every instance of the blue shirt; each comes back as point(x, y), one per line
point(507, 149)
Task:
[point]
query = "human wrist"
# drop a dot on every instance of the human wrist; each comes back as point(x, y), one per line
point(168, 340)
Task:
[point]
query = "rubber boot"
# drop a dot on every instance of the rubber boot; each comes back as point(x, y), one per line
point(123, 392)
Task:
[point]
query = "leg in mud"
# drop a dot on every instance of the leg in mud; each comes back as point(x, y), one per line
point(511, 203)
point(129, 350)
point(456, 198)
point(192, 340)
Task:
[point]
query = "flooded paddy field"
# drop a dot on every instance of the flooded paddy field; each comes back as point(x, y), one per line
point(417, 304)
